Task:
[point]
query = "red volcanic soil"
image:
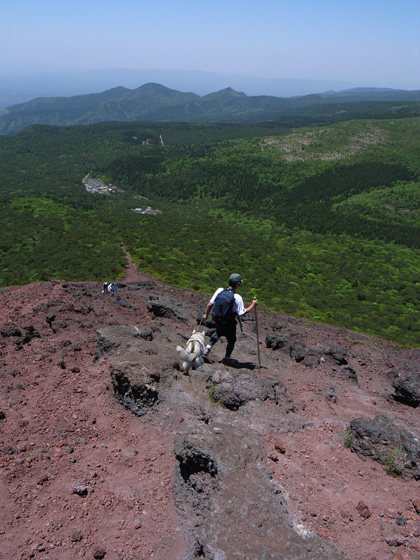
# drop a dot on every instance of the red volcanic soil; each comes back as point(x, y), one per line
point(84, 477)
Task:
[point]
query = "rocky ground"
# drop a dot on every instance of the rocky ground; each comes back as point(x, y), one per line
point(108, 450)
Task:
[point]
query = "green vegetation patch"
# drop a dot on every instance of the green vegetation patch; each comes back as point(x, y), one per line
point(397, 204)
point(395, 462)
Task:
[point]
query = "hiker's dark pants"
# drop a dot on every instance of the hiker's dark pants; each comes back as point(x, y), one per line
point(229, 331)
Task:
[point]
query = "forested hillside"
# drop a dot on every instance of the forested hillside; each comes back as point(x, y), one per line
point(322, 222)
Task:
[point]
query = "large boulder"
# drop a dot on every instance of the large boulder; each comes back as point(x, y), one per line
point(407, 389)
point(237, 389)
point(384, 441)
point(134, 386)
point(298, 352)
point(314, 355)
point(275, 341)
point(338, 353)
point(166, 309)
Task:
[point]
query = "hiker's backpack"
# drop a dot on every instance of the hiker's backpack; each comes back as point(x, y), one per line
point(223, 306)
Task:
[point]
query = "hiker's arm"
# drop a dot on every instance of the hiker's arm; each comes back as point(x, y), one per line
point(251, 307)
point(208, 309)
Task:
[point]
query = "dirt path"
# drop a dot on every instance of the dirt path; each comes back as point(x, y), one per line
point(131, 273)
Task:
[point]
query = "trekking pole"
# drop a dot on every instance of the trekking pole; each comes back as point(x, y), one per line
point(258, 338)
point(256, 330)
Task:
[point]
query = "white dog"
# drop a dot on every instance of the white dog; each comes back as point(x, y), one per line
point(192, 356)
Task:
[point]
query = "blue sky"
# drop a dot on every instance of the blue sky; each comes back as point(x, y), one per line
point(366, 42)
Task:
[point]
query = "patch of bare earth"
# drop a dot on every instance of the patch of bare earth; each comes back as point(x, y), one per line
point(81, 476)
point(326, 144)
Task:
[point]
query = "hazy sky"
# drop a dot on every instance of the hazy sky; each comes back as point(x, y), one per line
point(367, 42)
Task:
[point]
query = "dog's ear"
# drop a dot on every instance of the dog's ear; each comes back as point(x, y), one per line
point(194, 331)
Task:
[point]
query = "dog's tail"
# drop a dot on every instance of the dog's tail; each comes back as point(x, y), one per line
point(183, 354)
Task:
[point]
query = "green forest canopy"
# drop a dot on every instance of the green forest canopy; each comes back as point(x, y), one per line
point(322, 222)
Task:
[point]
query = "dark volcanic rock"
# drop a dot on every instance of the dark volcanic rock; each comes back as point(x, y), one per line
point(234, 508)
point(9, 329)
point(146, 334)
point(50, 320)
point(99, 553)
point(312, 358)
point(338, 353)
point(29, 332)
point(236, 389)
point(407, 389)
point(381, 439)
point(346, 372)
point(134, 386)
point(298, 352)
point(275, 341)
point(167, 310)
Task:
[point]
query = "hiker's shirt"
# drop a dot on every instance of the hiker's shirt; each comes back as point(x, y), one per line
point(238, 303)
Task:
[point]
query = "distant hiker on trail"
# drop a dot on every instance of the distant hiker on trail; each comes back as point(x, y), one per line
point(112, 288)
point(105, 288)
point(227, 305)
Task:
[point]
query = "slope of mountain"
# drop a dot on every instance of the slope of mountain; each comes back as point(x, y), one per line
point(110, 451)
point(156, 103)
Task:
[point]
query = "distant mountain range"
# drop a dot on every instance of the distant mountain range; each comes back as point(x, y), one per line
point(156, 103)
point(22, 85)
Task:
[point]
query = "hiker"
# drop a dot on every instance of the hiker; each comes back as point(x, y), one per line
point(105, 288)
point(112, 288)
point(226, 305)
